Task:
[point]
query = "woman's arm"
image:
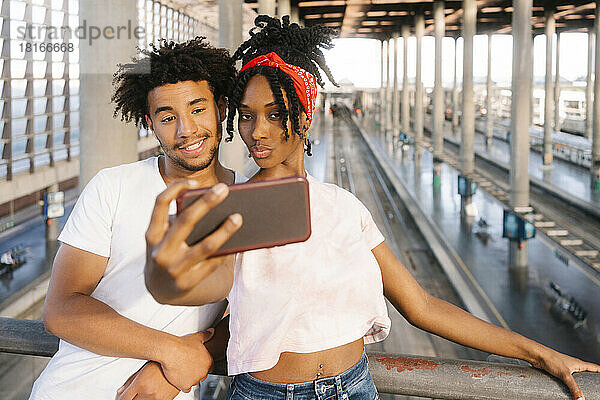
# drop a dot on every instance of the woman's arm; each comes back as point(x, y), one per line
point(444, 319)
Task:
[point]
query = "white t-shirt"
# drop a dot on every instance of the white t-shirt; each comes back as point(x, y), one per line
point(309, 296)
point(110, 219)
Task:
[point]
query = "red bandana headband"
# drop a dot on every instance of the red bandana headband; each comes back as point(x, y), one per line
point(304, 82)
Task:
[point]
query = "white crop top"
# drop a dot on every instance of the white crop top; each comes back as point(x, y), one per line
point(309, 296)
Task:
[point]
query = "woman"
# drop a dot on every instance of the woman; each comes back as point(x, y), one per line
point(301, 313)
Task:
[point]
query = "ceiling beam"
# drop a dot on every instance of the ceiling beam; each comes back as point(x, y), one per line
point(557, 15)
point(456, 16)
point(353, 16)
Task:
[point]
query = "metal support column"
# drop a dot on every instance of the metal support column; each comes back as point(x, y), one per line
point(531, 66)
point(455, 91)
point(230, 23)
point(395, 113)
point(467, 150)
point(267, 7)
point(519, 144)
point(468, 115)
point(388, 90)
point(52, 224)
point(382, 105)
point(295, 14)
point(105, 142)
point(405, 95)
point(489, 128)
point(438, 89)
point(557, 86)
point(589, 87)
point(549, 31)
point(596, 117)
point(284, 7)
point(232, 154)
point(419, 30)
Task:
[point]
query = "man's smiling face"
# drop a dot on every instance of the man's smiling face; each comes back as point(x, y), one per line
point(186, 120)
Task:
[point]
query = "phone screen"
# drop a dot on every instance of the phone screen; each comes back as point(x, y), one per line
point(275, 212)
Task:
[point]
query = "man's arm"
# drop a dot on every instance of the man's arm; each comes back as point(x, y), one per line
point(176, 273)
point(444, 319)
point(150, 383)
point(73, 315)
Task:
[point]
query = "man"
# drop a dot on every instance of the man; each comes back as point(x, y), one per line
point(97, 302)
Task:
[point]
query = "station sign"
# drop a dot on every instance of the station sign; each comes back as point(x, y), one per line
point(55, 197)
point(516, 227)
point(54, 205)
point(466, 187)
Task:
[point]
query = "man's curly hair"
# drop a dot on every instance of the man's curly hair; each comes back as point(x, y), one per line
point(165, 63)
point(296, 45)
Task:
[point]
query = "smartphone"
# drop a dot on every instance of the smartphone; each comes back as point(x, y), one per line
point(275, 212)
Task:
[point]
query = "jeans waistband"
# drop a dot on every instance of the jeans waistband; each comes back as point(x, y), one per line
point(251, 386)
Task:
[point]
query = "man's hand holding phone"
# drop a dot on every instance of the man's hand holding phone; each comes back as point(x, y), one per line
point(173, 269)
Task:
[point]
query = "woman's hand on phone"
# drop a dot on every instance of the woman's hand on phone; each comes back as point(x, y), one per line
point(176, 273)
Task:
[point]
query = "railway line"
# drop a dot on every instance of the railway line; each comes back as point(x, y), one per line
point(571, 228)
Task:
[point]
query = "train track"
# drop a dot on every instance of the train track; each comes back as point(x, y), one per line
point(571, 228)
point(572, 232)
point(365, 158)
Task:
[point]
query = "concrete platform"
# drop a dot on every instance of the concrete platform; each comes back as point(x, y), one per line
point(569, 176)
point(519, 296)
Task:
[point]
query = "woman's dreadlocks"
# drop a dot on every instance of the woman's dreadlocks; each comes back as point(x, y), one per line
point(295, 45)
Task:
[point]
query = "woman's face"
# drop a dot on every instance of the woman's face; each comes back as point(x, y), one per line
point(261, 128)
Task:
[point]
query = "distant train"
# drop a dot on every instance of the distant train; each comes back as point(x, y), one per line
point(572, 112)
point(572, 107)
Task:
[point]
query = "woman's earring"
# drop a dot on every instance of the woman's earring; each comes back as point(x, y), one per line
point(308, 146)
point(306, 139)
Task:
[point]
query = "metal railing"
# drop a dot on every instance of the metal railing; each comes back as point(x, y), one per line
point(395, 374)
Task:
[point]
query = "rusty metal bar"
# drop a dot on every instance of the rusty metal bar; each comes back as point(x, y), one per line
point(20, 336)
point(396, 374)
point(470, 380)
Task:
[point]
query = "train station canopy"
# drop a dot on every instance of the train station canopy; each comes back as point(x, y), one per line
point(381, 18)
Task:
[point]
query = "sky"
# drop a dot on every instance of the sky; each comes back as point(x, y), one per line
point(358, 60)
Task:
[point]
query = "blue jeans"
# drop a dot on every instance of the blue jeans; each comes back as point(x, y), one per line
point(353, 384)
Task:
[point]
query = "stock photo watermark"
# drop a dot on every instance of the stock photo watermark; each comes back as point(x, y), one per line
point(42, 34)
